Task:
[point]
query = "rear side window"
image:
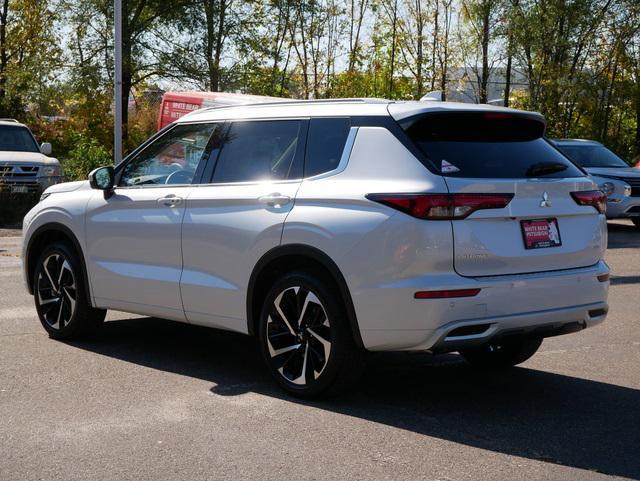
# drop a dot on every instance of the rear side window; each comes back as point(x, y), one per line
point(260, 150)
point(489, 145)
point(325, 144)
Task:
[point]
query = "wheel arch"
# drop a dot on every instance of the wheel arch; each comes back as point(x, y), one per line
point(47, 234)
point(282, 258)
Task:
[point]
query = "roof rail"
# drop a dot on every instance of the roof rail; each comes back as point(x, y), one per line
point(296, 101)
point(9, 120)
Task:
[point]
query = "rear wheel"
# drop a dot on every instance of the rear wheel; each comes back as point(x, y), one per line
point(305, 337)
point(501, 355)
point(60, 296)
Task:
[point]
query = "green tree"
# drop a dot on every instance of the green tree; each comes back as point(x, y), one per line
point(29, 53)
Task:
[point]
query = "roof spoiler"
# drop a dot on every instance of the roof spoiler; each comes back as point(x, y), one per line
point(407, 113)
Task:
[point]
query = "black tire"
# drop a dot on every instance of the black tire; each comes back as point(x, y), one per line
point(324, 320)
point(60, 295)
point(636, 222)
point(502, 355)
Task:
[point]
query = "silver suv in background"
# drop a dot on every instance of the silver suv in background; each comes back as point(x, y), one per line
point(330, 228)
point(25, 166)
point(614, 176)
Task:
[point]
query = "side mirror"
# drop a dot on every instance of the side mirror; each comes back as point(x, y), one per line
point(102, 178)
point(45, 148)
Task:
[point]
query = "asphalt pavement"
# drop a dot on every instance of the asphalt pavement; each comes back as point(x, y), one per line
point(152, 400)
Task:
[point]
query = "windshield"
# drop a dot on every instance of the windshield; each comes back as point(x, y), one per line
point(592, 156)
point(17, 139)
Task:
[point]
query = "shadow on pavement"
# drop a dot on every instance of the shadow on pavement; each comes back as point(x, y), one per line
point(623, 235)
point(622, 280)
point(522, 412)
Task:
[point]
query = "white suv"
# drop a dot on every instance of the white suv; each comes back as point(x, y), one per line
point(331, 228)
point(25, 166)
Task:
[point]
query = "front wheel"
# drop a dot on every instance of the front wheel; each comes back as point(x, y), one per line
point(305, 337)
point(60, 295)
point(502, 355)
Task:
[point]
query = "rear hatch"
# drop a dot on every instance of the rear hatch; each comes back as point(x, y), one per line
point(552, 220)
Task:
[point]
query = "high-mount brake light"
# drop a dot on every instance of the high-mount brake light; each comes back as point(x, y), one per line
point(442, 206)
point(497, 115)
point(594, 198)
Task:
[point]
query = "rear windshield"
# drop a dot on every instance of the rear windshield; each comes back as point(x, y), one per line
point(593, 156)
point(489, 145)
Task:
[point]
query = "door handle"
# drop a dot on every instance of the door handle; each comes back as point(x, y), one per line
point(170, 200)
point(275, 200)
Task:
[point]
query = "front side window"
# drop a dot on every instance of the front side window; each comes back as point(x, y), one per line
point(171, 159)
point(260, 151)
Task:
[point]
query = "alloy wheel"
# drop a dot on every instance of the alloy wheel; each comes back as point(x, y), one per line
point(56, 291)
point(298, 335)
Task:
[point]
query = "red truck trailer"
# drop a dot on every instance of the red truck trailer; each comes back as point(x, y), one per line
point(176, 104)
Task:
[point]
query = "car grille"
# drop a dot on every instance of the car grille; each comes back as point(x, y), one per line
point(6, 185)
point(18, 171)
point(634, 182)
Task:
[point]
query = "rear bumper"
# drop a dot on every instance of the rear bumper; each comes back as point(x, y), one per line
point(547, 323)
point(541, 304)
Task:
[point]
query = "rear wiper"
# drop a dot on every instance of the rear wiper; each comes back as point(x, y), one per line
point(545, 168)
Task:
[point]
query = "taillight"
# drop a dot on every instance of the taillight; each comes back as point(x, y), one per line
point(442, 206)
point(594, 198)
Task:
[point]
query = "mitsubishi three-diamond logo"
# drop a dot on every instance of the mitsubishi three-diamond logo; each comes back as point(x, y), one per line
point(545, 200)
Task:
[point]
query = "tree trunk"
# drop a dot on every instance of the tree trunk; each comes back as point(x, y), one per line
point(420, 60)
point(394, 23)
point(434, 44)
point(281, 36)
point(637, 142)
point(352, 60)
point(222, 17)
point(354, 33)
point(444, 58)
point(209, 41)
point(127, 71)
point(214, 40)
point(303, 57)
point(484, 80)
point(608, 100)
point(3, 57)
point(507, 80)
point(533, 91)
point(283, 77)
